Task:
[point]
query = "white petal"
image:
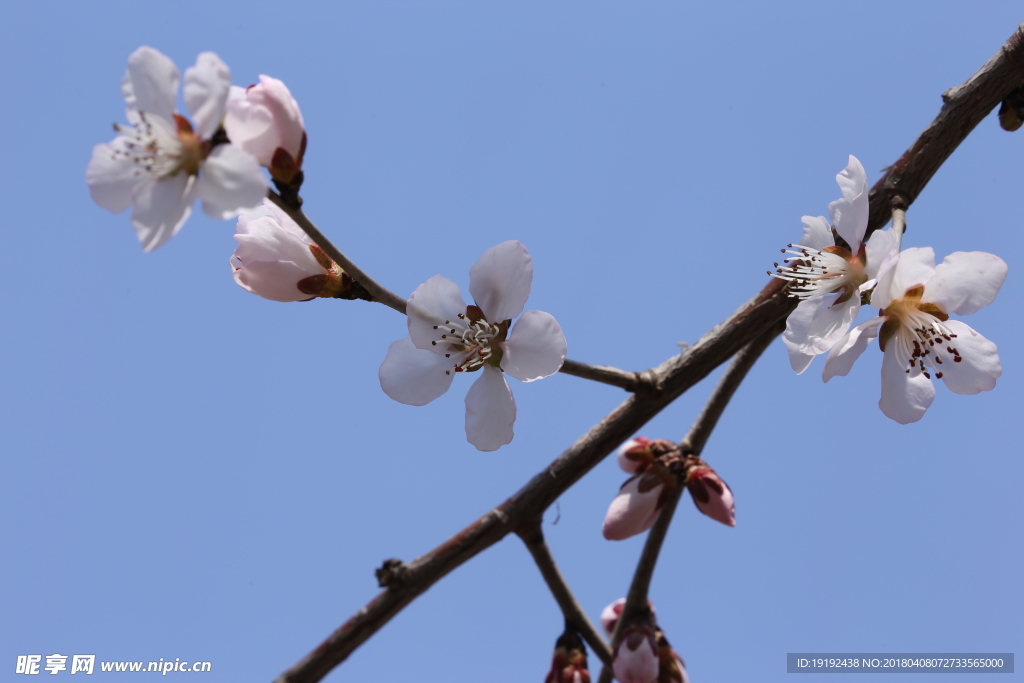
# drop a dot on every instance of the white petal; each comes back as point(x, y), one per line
point(150, 83)
point(112, 179)
point(490, 411)
point(161, 208)
point(843, 355)
point(250, 126)
point(850, 213)
point(262, 238)
point(831, 323)
point(905, 395)
point(798, 324)
point(817, 233)
point(632, 512)
point(881, 252)
point(979, 367)
point(536, 347)
point(274, 280)
point(231, 182)
point(413, 376)
point(966, 281)
point(500, 281)
point(206, 90)
point(914, 267)
point(435, 301)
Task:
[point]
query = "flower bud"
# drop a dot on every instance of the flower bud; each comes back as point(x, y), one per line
point(264, 120)
point(610, 615)
point(711, 495)
point(275, 259)
point(569, 664)
point(671, 668)
point(638, 504)
point(635, 659)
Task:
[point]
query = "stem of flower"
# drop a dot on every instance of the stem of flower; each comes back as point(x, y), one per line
point(899, 220)
point(630, 381)
point(377, 292)
point(575, 617)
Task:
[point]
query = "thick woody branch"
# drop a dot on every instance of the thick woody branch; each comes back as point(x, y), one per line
point(965, 107)
point(377, 292)
point(575, 617)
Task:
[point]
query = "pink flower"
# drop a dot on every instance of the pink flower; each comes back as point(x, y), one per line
point(634, 455)
point(264, 120)
point(635, 659)
point(638, 504)
point(711, 495)
point(447, 337)
point(610, 615)
point(160, 164)
point(276, 260)
point(915, 299)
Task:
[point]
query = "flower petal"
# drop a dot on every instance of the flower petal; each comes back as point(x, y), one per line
point(817, 233)
point(632, 512)
point(914, 267)
point(536, 348)
point(979, 367)
point(206, 91)
point(490, 411)
point(966, 281)
point(435, 301)
point(150, 83)
point(843, 355)
point(905, 395)
point(161, 208)
point(231, 182)
point(881, 251)
point(798, 325)
point(413, 376)
point(850, 213)
point(111, 176)
point(500, 281)
point(274, 280)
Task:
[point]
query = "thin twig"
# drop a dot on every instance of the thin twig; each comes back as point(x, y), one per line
point(575, 617)
point(693, 443)
point(671, 379)
point(377, 292)
point(899, 220)
point(630, 381)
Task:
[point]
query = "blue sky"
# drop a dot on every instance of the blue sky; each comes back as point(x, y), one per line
point(192, 472)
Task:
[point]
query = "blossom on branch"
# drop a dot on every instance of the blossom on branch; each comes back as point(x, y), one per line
point(828, 277)
point(917, 337)
point(711, 495)
point(160, 163)
point(447, 337)
point(569, 662)
point(264, 120)
point(639, 502)
point(276, 259)
point(635, 657)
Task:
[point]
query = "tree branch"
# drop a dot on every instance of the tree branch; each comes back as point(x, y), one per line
point(630, 381)
point(575, 617)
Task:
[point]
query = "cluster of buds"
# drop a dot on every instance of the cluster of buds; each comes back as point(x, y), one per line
point(569, 663)
point(658, 469)
point(642, 653)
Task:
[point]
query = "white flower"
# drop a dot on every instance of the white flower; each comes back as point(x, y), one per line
point(447, 337)
point(264, 118)
point(276, 260)
point(160, 163)
point(915, 299)
point(831, 278)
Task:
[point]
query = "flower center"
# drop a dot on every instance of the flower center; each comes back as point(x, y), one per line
point(159, 148)
point(919, 333)
point(817, 272)
point(472, 341)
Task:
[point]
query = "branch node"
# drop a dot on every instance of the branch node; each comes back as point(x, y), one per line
point(392, 574)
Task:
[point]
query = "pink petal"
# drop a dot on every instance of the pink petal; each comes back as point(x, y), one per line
point(843, 355)
point(161, 208)
point(914, 267)
point(112, 179)
point(905, 395)
point(206, 91)
point(536, 347)
point(274, 280)
point(231, 182)
point(631, 465)
point(413, 376)
point(966, 281)
point(979, 367)
point(150, 83)
point(850, 213)
point(500, 281)
point(490, 411)
point(639, 663)
point(435, 301)
point(632, 512)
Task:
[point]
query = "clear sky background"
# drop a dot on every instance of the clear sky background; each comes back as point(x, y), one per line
point(190, 471)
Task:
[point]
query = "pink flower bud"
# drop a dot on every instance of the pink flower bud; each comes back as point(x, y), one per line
point(671, 668)
point(636, 507)
point(635, 659)
point(610, 615)
point(711, 495)
point(634, 455)
point(263, 119)
point(569, 664)
point(275, 259)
